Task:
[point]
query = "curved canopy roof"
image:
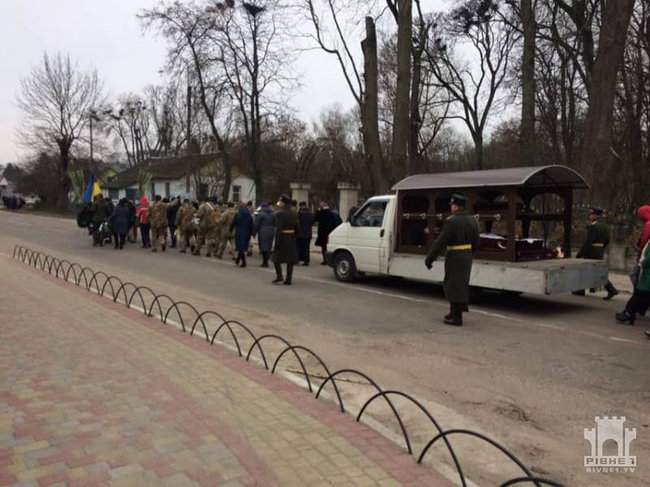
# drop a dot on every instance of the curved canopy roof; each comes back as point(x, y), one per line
point(555, 176)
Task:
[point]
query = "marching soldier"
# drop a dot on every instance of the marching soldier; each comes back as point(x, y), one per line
point(594, 246)
point(204, 216)
point(460, 237)
point(285, 250)
point(158, 221)
point(213, 235)
point(184, 224)
point(225, 236)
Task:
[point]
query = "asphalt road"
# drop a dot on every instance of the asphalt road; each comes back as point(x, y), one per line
point(530, 371)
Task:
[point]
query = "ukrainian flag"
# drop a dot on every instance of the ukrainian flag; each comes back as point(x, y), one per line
point(92, 190)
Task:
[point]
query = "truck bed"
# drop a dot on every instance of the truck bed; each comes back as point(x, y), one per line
point(554, 276)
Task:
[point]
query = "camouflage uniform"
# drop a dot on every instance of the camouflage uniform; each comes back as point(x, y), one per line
point(225, 235)
point(185, 226)
point(204, 216)
point(158, 221)
point(213, 235)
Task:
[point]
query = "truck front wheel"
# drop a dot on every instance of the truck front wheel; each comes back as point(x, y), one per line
point(345, 269)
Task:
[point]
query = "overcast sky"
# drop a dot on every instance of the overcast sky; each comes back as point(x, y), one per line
point(107, 35)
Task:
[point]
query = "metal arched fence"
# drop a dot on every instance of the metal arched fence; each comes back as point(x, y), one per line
point(166, 307)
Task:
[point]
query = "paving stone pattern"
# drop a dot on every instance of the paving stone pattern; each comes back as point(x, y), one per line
point(93, 394)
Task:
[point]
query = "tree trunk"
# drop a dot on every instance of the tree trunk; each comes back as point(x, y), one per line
point(528, 83)
point(401, 125)
point(414, 157)
point(64, 178)
point(370, 109)
point(598, 126)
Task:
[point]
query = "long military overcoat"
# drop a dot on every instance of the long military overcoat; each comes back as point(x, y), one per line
point(459, 229)
point(596, 241)
point(285, 250)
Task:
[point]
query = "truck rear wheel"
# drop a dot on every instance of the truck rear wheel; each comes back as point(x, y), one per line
point(345, 269)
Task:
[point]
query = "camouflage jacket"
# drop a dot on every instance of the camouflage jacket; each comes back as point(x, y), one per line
point(158, 215)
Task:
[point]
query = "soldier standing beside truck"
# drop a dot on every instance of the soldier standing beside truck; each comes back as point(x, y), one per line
point(460, 237)
point(594, 246)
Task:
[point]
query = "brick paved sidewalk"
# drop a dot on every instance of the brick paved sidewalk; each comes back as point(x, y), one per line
point(94, 394)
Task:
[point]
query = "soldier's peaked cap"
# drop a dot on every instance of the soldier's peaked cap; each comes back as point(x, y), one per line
point(458, 199)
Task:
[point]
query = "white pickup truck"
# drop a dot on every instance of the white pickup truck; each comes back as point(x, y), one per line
point(367, 243)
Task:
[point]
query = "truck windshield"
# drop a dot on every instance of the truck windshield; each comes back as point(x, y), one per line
point(371, 215)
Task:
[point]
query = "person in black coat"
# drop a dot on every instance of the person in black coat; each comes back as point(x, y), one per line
point(172, 210)
point(120, 223)
point(285, 250)
point(327, 221)
point(243, 228)
point(305, 223)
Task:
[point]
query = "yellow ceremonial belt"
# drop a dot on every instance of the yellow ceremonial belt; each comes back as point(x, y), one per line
point(599, 245)
point(459, 247)
point(288, 232)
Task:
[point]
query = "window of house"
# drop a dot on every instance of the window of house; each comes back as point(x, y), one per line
point(153, 189)
point(131, 193)
point(188, 185)
point(236, 193)
point(371, 215)
point(114, 194)
point(167, 190)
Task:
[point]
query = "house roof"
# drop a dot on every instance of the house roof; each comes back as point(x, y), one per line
point(164, 168)
point(530, 177)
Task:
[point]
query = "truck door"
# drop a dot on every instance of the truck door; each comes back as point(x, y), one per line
point(367, 234)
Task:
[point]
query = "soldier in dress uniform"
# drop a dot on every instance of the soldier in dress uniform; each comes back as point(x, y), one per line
point(285, 250)
point(184, 224)
point(158, 222)
point(204, 216)
point(460, 237)
point(594, 246)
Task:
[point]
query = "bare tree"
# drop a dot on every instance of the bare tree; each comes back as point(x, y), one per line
point(479, 25)
point(55, 100)
point(528, 85)
point(190, 30)
point(331, 36)
point(596, 145)
point(402, 11)
point(255, 60)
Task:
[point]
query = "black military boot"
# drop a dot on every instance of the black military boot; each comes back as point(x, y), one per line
point(456, 318)
point(611, 291)
point(278, 274)
point(287, 281)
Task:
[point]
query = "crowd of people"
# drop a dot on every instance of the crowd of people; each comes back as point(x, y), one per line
point(283, 231)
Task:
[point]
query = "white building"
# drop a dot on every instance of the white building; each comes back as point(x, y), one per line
point(193, 177)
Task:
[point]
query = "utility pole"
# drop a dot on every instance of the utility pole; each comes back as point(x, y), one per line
point(189, 111)
point(92, 115)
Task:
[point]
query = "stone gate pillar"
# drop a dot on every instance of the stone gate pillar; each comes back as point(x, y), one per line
point(300, 192)
point(348, 198)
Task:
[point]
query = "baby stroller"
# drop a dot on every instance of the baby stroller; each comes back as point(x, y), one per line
point(101, 233)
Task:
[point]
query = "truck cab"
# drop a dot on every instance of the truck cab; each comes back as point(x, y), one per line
point(363, 243)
